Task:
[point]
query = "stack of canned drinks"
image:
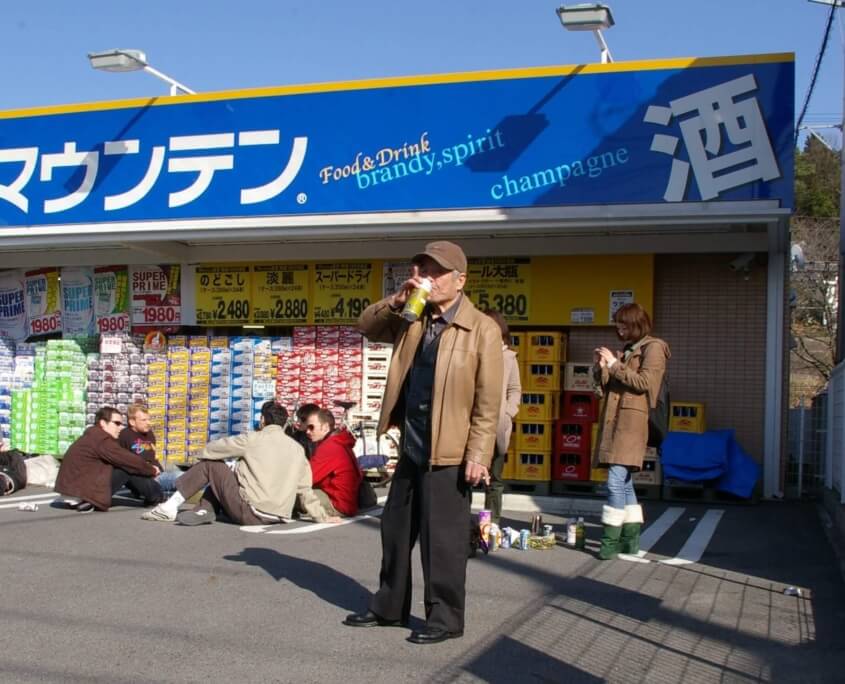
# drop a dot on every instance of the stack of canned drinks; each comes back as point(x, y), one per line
point(493, 537)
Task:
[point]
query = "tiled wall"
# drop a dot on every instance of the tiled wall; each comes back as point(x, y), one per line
point(715, 323)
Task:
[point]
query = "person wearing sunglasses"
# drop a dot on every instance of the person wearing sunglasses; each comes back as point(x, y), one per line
point(334, 469)
point(95, 466)
point(271, 476)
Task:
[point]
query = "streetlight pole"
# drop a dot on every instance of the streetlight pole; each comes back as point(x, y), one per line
point(134, 60)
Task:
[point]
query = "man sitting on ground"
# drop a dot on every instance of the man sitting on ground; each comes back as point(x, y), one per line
point(95, 466)
point(334, 468)
point(139, 438)
point(297, 431)
point(272, 473)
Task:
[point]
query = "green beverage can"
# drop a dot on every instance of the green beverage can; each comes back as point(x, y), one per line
point(416, 302)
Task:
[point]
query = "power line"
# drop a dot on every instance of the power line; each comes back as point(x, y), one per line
point(816, 68)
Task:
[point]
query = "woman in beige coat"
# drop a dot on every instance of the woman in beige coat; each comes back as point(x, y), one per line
point(631, 383)
point(511, 398)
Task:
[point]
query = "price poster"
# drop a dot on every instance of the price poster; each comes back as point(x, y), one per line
point(156, 302)
point(342, 291)
point(43, 302)
point(395, 273)
point(13, 322)
point(111, 299)
point(223, 295)
point(618, 299)
point(280, 294)
point(503, 284)
point(78, 302)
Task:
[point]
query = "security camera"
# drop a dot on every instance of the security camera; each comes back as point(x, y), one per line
point(743, 262)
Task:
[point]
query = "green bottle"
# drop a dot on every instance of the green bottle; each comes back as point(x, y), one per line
point(580, 536)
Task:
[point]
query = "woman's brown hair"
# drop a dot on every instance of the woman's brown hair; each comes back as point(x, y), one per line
point(635, 318)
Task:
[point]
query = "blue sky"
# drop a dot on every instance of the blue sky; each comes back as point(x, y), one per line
point(216, 45)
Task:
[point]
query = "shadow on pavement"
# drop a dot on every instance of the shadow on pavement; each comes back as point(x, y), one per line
point(321, 580)
point(514, 661)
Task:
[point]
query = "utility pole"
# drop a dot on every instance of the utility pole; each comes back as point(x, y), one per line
point(840, 296)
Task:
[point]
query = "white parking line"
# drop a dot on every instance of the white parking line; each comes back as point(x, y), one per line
point(19, 500)
point(307, 529)
point(43, 495)
point(692, 551)
point(652, 534)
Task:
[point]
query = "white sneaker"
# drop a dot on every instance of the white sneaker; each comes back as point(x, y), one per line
point(634, 558)
point(159, 514)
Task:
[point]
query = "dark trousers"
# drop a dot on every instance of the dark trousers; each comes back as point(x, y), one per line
point(493, 492)
point(432, 505)
point(222, 491)
point(142, 487)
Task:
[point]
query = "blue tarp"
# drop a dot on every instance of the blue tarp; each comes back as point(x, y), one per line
point(711, 456)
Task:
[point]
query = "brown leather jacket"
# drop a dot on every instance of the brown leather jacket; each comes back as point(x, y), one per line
point(467, 391)
point(86, 468)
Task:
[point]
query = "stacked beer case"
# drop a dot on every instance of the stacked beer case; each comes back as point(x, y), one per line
point(540, 354)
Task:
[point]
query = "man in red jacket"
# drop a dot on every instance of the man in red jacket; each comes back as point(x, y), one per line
point(335, 474)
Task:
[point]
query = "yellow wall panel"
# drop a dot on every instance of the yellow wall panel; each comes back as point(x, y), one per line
point(560, 284)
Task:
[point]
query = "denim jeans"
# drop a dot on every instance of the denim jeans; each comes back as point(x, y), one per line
point(620, 487)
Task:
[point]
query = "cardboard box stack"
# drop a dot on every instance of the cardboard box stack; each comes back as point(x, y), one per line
point(199, 379)
point(156, 365)
point(22, 378)
point(176, 412)
point(7, 372)
point(376, 357)
point(264, 377)
point(220, 389)
point(243, 371)
point(311, 372)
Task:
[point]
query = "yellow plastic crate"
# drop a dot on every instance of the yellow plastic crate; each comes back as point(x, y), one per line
point(533, 465)
point(546, 347)
point(542, 377)
point(686, 416)
point(534, 436)
point(598, 474)
point(539, 406)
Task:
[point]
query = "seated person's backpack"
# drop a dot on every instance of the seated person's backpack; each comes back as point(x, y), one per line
point(366, 495)
point(12, 472)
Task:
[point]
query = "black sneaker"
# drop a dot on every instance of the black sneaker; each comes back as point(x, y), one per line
point(84, 507)
point(191, 518)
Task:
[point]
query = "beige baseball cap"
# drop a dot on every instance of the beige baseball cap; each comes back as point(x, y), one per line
point(445, 253)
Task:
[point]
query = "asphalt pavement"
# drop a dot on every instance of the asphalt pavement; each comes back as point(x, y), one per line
point(107, 597)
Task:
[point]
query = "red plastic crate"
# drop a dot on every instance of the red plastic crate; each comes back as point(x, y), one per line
point(570, 465)
point(572, 435)
point(582, 406)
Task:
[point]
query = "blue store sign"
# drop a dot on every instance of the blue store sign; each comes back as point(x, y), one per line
point(669, 131)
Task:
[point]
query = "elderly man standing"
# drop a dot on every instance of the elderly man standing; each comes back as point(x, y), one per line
point(444, 390)
point(95, 466)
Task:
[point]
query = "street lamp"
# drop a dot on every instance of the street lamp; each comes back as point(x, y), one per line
point(588, 17)
point(133, 60)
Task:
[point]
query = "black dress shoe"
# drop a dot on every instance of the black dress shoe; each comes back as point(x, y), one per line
point(370, 619)
point(433, 635)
